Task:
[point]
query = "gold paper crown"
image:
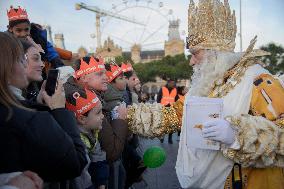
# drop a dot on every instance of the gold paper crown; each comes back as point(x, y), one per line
point(211, 25)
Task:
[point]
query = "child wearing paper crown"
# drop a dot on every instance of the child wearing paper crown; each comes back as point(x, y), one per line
point(88, 110)
point(113, 97)
point(21, 27)
point(90, 73)
point(122, 84)
point(130, 95)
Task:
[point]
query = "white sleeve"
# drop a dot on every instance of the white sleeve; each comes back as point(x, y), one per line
point(235, 145)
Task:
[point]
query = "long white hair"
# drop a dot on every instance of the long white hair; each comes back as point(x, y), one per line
point(211, 69)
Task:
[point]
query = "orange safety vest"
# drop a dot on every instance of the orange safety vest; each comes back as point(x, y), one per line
point(168, 98)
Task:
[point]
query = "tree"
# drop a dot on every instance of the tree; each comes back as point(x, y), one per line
point(274, 62)
point(123, 59)
point(176, 67)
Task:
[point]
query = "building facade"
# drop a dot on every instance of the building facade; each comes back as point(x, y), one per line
point(109, 50)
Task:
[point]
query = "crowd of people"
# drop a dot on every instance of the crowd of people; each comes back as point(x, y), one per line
point(85, 135)
point(77, 137)
point(40, 133)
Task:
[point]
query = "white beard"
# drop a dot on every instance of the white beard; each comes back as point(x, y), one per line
point(210, 70)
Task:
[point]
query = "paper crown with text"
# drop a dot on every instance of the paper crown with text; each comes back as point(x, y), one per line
point(126, 67)
point(114, 71)
point(17, 14)
point(211, 25)
point(94, 65)
point(80, 100)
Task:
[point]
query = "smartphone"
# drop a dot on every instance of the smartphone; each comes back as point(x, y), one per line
point(51, 81)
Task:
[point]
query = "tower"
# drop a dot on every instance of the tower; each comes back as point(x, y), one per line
point(136, 53)
point(174, 45)
point(59, 40)
point(82, 52)
point(173, 33)
point(49, 33)
point(109, 50)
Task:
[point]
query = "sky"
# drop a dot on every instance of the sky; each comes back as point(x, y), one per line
point(263, 18)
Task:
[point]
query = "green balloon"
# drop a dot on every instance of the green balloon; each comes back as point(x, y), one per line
point(154, 157)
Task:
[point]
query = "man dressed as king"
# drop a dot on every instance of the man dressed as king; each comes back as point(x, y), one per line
point(251, 134)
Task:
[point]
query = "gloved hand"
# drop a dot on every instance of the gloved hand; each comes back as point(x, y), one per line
point(219, 130)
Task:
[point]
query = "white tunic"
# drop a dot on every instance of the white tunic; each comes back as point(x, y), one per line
point(197, 168)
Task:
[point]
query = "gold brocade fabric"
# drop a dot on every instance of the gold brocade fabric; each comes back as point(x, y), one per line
point(259, 141)
point(178, 107)
point(262, 144)
point(233, 76)
point(261, 134)
point(280, 123)
point(154, 120)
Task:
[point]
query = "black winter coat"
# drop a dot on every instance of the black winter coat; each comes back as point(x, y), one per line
point(47, 143)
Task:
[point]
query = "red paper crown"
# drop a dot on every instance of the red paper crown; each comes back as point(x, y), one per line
point(115, 71)
point(17, 14)
point(93, 66)
point(126, 67)
point(82, 105)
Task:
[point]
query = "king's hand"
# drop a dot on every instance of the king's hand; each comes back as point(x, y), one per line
point(219, 130)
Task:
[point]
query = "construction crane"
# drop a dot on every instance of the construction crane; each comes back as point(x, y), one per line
point(100, 13)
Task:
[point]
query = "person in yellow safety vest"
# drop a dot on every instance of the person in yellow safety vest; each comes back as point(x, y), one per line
point(166, 96)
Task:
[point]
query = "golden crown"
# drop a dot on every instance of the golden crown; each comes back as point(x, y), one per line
point(211, 25)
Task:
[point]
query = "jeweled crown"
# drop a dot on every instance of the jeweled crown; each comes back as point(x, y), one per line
point(211, 25)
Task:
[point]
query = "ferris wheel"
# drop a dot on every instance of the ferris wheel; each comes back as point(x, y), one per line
point(132, 22)
point(151, 34)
